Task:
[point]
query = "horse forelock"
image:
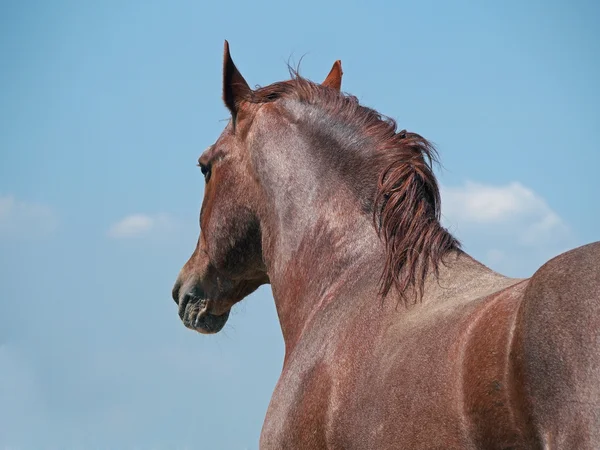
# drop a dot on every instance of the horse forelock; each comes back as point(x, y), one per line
point(406, 207)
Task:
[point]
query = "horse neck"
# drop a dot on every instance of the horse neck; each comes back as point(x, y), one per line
point(319, 252)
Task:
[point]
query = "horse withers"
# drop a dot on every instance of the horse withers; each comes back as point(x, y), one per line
point(394, 337)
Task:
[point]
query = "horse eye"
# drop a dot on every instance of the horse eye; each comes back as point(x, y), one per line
point(205, 171)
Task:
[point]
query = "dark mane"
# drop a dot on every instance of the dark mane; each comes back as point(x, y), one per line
point(406, 205)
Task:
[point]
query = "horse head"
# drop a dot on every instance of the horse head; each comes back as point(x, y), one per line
point(228, 262)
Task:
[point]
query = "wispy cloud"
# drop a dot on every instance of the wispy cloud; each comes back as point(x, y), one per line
point(19, 218)
point(140, 225)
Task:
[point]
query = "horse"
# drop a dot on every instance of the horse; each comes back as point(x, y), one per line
point(395, 338)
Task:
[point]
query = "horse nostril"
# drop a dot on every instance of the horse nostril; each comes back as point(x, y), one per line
point(186, 299)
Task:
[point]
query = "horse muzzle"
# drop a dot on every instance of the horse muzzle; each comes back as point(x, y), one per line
point(197, 312)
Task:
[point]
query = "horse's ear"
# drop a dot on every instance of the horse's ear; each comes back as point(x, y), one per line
point(334, 79)
point(235, 88)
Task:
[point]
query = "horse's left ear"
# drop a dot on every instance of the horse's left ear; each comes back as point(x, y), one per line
point(235, 88)
point(334, 79)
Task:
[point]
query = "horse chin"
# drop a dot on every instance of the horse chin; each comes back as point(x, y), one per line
point(195, 315)
point(208, 323)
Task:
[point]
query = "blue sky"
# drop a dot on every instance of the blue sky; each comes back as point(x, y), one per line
point(104, 109)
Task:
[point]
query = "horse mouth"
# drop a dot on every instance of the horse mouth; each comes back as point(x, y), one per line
point(195, 315)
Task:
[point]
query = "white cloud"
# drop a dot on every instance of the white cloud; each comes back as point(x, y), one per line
point(139, 225)
point(510, 209)
point(509, 227)
point(21, 218)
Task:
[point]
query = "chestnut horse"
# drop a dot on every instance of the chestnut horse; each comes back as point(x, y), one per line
point(394, 337)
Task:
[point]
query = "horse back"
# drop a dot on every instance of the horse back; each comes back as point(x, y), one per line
point(557, 351)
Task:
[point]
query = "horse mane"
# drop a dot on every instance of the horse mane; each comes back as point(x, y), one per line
point(406, 206)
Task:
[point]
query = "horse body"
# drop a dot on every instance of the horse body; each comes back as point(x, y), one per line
point(394, 337)
point(473, 366)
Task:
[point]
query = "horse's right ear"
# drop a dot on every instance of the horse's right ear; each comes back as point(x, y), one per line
point(235, 88)
point(334, 79)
